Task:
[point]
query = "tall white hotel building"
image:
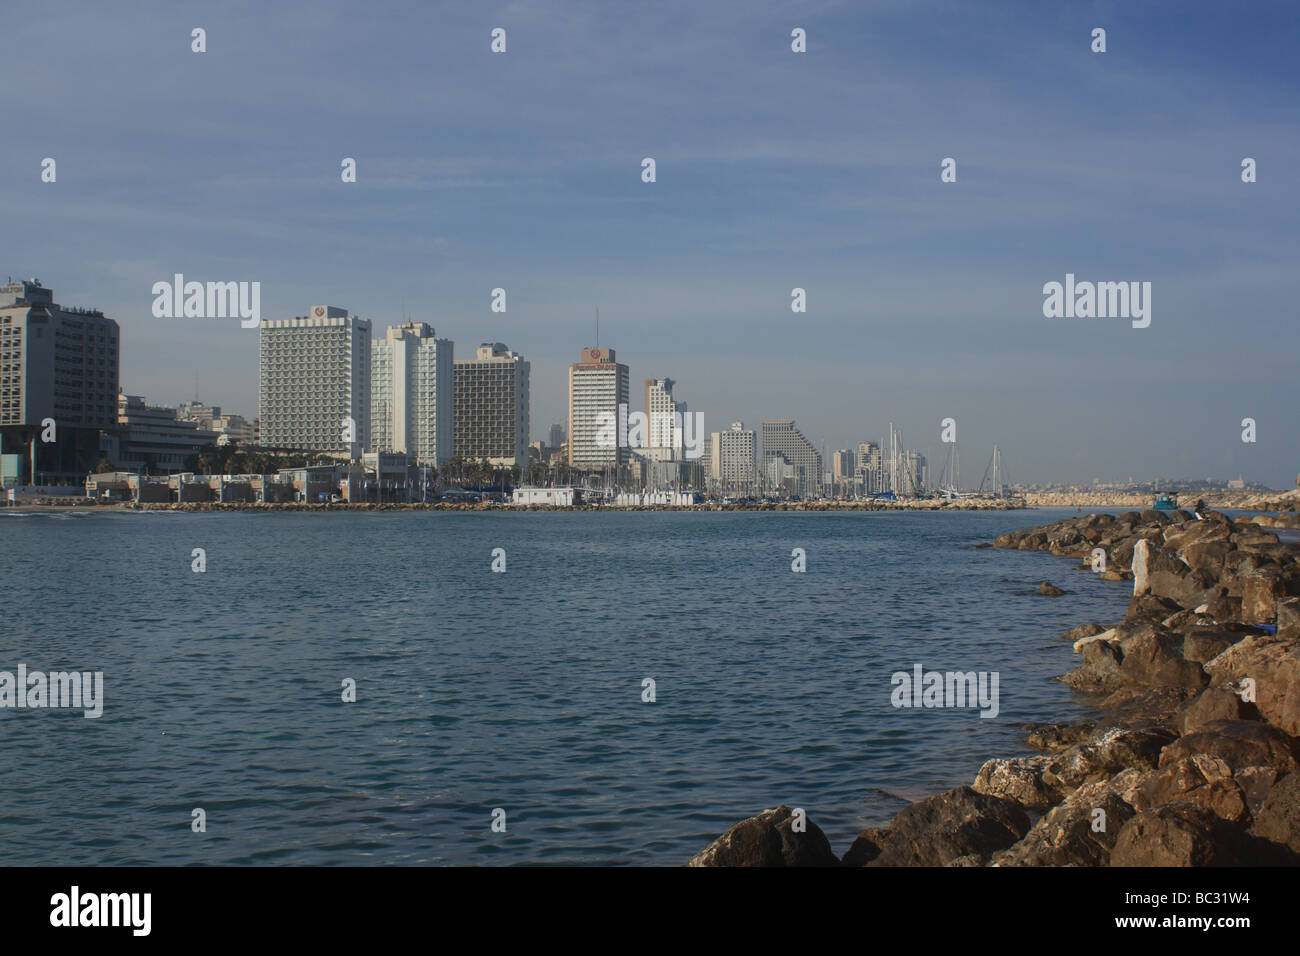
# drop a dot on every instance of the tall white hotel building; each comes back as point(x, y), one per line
point(314, 381)
point(413, 395)
point(598, 385)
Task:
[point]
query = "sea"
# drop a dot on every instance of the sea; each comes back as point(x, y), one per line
point(351, 688)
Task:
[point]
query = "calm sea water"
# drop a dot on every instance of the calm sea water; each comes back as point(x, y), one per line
point(478, 690)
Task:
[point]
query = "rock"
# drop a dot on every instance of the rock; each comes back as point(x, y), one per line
point(1274, 666)
point(1203, 644)
point(1260, 594)
point(1255, 783)
point(1083, 630)
point(1238, 743)
point(1207, 556)
point(1212, 704)
point(1073, 834)
point(1102, 756)
point(1278, 820)
point(1158, 571)
point(1224, 609)
point(865, 848)
point(1057, 737)
point(1288, 619)
point(972, 859)
point(1147, 649)
point(960, 822)
point(1230, 665)
point(1202, 780)
point(768, 839)
point(1112, 576)
point(1099, 670)
point(1149, 607)
point(1083, 642)
point(1179, 834)
point(1050, 590)
point(1139, 708)
point(1019, 779)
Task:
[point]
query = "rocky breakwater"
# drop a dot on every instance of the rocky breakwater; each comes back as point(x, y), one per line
point(1193, 758)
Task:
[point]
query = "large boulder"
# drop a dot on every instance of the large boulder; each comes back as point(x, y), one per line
point(1261, 591)
point(1203, 644)
point(1178, 834)
point(769, 839)
point(958, 823)
point(1278, 820)
point(1104, 755)
point(1213, 704)
point(1074, 833)
point(1202, 780)
point(1148, 648)
point(1159, 571)
point(1238, 743)
point(1019, 779)
point(1274, 666)
point(1099, 670)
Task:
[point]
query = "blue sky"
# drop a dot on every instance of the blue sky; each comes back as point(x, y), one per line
point(775, 170)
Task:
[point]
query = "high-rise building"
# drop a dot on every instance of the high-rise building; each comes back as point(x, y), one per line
point(782, 440)
point(555, 436)
point(871, 467)
point(412, 395)
point(314, 382)
point(844, 468)
point(664, 419)
point(57, 365)
point(733, 462)
point(598, 385)
point(492, 406)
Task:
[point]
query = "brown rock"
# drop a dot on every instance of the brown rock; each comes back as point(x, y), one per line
point(768, 839)
point(1261, 592)
point(1238, 743)
point(1278, 820)
point(1202, 780)
point(1019, 779)
point(949, 825)
point(1175, 835)
point(1213, 704)
point(1074, 833)
point(1112, 751)
point(865, 848)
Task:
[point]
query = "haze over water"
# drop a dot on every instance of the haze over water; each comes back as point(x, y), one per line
point(519, 690)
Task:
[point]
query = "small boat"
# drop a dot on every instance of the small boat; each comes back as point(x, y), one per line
point(1166, 502)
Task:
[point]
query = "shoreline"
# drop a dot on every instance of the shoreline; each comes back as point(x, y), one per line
point(1193, 758)
point(1284, 517)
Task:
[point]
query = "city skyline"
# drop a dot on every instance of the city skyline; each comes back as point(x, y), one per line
point(818, 171)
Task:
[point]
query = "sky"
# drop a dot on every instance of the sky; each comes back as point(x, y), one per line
point(775, 170)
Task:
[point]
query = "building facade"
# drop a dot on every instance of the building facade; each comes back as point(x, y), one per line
point(57, 365)
point(781, 440)
point(598, 385)
point(153, 439)
point(492, 406)
point(314, 382)
point(733, 460)
point(412, 406)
